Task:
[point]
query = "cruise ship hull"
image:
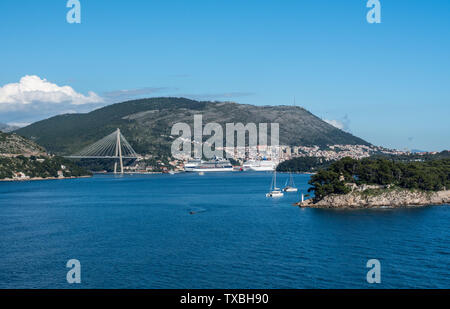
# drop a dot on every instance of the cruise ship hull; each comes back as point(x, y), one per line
point(260, 166)
point(219, 169)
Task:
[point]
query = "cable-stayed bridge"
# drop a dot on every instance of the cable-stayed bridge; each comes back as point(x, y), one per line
point(113, 146)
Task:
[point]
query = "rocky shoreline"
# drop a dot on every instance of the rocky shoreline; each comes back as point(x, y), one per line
point(382, 198)
point(41, 178)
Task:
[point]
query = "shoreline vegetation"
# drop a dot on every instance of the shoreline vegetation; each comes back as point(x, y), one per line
point(22, 160)
point(307, 165)
point(379, 182)
point(42, 179)
point(23, 168)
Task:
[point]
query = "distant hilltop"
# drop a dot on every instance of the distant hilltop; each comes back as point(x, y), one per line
point(147, 123)
point(6, 128)
point(13, 145)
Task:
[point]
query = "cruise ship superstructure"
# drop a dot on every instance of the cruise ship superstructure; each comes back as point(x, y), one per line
point(260, 165)
point(216, 165)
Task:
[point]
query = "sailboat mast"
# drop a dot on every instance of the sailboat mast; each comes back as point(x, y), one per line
point(272, 184)
point(275, 179)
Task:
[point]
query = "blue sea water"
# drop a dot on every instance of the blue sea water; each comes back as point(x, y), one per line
point(137, 232)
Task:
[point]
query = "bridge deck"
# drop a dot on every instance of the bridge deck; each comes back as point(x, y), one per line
point(98, 157)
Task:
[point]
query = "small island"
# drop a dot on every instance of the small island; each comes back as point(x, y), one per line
point(379, 182)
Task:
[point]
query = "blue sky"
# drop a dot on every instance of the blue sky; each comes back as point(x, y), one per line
point(388, 83)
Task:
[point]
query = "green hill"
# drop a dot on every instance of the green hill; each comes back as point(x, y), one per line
point(147, 123)
point(13, 144)
point(21, 156)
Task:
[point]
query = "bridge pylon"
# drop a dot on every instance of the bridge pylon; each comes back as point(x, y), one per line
point(118, 153)
point(113, 146)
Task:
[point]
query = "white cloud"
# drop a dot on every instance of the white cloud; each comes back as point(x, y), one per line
point(32, 89)
point(18, 124)
point(336, 123)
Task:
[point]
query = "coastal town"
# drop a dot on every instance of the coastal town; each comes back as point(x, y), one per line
point(238, 156)
point(13, 146)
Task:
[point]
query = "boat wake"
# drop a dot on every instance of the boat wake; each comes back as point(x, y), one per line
point(194, 211)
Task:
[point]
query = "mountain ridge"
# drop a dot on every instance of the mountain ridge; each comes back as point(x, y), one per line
point(146, 123)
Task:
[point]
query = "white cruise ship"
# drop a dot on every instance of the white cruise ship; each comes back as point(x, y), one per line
point(191, 165)
point(216, 165)
point(260, 165)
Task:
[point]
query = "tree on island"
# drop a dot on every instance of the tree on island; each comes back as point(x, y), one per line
point(433, 175)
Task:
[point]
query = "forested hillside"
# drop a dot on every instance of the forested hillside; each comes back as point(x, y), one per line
point(147, 124)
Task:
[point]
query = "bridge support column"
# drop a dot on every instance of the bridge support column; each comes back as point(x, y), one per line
point(118, 153)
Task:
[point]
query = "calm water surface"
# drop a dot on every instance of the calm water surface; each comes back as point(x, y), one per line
point(137, 232)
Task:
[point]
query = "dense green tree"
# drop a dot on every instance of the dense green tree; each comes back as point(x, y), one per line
point(303, 165)
point(431, 175)
point(36, 168)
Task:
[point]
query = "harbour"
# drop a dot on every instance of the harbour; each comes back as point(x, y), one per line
point(212, 231)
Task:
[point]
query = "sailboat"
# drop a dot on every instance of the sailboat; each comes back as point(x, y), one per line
point(290, 187)
point(274, 191)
